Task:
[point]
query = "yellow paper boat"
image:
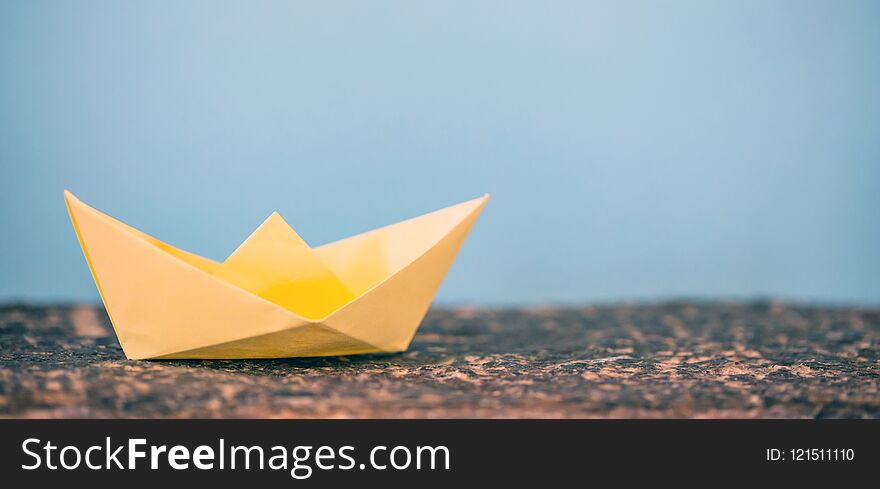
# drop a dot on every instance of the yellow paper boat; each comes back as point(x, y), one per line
point(274, 296)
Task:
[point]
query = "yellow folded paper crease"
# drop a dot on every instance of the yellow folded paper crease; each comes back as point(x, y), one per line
point(274, 296)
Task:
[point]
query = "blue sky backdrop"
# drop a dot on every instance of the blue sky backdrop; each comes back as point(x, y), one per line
point(632, 149)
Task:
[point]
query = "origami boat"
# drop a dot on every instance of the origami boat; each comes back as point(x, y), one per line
point(274, 296)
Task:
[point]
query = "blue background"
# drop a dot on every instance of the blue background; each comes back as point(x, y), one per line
point(633, 150)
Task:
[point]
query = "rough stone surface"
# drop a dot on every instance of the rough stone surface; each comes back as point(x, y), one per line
point(675, 359)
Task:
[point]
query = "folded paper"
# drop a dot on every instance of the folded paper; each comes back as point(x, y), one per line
point(274, 296)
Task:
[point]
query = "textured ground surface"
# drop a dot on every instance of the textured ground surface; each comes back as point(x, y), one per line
point(641, 360)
